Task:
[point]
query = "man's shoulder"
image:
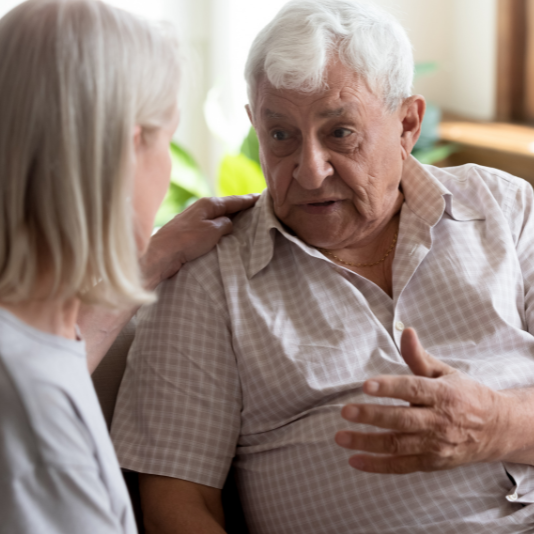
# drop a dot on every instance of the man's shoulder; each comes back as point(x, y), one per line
point(470, 173)
point(236, 245)
point(206, 271)
point(245, 225)
point(471, 180)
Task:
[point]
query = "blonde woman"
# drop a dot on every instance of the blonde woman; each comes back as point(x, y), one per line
point(88, 106)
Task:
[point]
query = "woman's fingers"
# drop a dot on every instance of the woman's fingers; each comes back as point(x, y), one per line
point(191, 234)
point(223, 225)
point(219, 206)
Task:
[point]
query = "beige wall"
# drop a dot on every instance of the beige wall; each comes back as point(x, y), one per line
point(473, 71)
point(461, 36)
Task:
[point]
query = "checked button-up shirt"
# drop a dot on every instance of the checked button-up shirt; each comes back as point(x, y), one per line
point(251, 352)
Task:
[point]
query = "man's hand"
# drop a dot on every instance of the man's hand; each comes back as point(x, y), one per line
point(189, 235)
point(452, 420)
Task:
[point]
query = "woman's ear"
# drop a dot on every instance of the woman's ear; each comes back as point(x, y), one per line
point(137, 138)
point(412, 113)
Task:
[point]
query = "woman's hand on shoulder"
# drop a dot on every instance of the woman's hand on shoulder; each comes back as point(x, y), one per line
point(191, 234)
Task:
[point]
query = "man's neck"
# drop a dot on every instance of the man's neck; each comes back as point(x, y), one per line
point(55, 316)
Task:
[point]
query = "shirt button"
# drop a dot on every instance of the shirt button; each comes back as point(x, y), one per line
point(513, 497)
point(399, 326)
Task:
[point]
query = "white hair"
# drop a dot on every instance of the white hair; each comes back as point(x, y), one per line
point(294, 49)
point(76, 77)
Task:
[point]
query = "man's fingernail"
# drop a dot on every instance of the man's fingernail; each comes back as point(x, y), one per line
point(372, 387)
point(352, 412)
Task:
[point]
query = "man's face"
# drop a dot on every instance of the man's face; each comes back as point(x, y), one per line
point(333, 160)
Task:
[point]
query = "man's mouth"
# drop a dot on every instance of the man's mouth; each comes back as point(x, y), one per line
point(325, 204)
point(320, 208)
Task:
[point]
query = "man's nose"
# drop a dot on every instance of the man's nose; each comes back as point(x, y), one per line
point(313, 165)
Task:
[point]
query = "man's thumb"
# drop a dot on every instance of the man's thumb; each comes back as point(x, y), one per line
point(418, 360)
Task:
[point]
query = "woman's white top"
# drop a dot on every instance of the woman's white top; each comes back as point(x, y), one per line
point(58, 470)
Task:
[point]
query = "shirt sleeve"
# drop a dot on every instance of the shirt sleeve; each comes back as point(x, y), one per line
point(179, 408)
point(520, 210)
point(52, 500)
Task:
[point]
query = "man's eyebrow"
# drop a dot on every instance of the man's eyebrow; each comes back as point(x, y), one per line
point(269, 114)
point(331, 113)
point(327, 114)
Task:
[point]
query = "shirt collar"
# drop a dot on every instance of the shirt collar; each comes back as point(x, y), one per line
point(266, 227)
point(428, 197)
point(424, 194)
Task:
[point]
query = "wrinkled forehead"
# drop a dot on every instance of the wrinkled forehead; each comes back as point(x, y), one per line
point(343, 94)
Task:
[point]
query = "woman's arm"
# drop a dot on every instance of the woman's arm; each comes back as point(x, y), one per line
point(189, 235)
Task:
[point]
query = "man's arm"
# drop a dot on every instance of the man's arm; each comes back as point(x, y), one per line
point(189, 235)
point(178, 411)
point(174, 506)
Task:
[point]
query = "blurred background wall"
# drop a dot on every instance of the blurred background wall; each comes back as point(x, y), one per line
point(459, 35)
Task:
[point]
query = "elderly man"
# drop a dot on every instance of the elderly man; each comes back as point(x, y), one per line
point(285, 349)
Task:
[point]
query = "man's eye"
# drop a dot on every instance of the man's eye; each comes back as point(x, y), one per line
point(280, 135)
point(341, 132)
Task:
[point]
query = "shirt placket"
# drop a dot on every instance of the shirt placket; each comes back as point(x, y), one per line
point(415, 242)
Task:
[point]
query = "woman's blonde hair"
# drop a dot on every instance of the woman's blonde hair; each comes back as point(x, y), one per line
point(76, 76)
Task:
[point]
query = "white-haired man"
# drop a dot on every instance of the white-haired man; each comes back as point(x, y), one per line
point(295, 324)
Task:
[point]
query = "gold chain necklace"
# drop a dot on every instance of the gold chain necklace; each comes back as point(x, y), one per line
point(363, 264)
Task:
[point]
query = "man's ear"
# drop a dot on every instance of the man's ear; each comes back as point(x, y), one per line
point(250, 115)
point(412, 113)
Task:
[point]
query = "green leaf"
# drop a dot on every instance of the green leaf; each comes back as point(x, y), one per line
point(429, 156)
point(186, 173)
point(188, 184)
point(421, 69)
point(176, 200)
point(251, 146)
point(239, 175)
point(429, 135)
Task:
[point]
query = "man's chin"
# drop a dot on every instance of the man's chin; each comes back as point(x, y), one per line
point(317, 236)
point(320, 228)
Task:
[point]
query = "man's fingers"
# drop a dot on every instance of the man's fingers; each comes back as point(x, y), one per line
point(396, 444)
point(226, 205)
point(418, 360)
point(396, 465)
point(399, 418)
point(413, 389)
point(393, 443)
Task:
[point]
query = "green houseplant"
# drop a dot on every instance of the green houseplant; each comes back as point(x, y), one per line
point(188, 184)
point(427, 150)
point(241, 174)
